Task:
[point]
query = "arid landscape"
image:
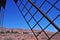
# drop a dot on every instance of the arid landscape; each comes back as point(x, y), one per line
point(22, 34)
point(17, 17)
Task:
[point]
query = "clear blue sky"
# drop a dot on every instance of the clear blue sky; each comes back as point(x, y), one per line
point(14, 19)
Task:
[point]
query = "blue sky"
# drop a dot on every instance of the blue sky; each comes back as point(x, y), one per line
point(14, 19)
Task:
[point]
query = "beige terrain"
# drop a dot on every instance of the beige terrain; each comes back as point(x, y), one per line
point(21, 34)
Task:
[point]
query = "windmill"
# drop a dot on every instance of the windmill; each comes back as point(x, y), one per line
point(2, 8)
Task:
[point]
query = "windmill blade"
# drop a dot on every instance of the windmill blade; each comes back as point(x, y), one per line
point(0, 4)
point(3, 3)
point(0, 7)
point(15, 1)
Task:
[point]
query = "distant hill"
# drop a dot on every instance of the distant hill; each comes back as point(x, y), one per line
point(22, 34)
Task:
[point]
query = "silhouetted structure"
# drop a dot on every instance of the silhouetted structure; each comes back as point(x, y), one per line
point(27, 33)
point(32, 9)
point(2, 7)
point(2, 3)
